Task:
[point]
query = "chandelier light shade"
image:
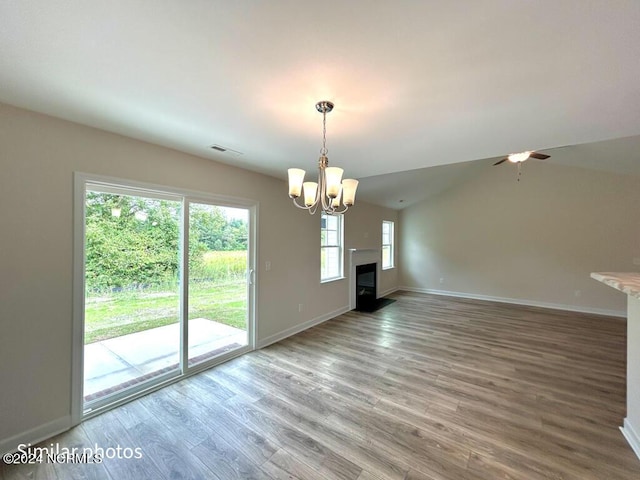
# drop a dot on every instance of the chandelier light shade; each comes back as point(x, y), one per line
point(296, 176)
point(330, 193)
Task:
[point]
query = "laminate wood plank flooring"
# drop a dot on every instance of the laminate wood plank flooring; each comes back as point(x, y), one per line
point(427, 388)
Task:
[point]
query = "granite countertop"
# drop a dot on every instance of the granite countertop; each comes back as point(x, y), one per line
point(627, 282)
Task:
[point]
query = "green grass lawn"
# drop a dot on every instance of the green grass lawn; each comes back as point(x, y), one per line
point(118, 314)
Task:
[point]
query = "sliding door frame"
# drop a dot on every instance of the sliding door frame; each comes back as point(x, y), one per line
point(81, 182)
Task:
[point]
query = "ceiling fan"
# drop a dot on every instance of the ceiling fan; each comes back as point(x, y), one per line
point(521, 157)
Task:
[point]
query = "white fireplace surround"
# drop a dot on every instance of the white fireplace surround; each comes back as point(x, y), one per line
point(362, 256)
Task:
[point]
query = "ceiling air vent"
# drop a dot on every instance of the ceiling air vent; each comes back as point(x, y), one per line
point(220, 148)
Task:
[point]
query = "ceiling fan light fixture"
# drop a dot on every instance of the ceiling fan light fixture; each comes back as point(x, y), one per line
point(519, 157)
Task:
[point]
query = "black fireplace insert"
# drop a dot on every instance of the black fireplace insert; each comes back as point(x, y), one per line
point(366, 287)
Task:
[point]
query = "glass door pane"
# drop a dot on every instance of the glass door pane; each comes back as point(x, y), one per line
point(218, 288)
point(132, 293)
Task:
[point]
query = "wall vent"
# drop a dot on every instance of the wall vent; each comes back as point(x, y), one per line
point(220, 148)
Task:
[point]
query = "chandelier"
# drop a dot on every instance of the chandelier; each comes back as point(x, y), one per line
point(330, 190)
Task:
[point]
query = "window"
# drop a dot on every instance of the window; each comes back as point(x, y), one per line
point(387, 244)
point(330, 247)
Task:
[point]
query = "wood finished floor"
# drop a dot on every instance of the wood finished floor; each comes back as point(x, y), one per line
point(428, 388)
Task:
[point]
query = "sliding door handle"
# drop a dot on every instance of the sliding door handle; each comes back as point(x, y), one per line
point(251, 276)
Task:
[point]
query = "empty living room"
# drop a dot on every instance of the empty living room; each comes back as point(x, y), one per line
point(358, 240)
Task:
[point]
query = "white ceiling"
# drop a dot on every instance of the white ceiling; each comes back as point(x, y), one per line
point(416, 83)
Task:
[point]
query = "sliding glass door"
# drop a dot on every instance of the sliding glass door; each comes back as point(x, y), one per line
point(132, 290)
point(167, 287)
point(218, 288)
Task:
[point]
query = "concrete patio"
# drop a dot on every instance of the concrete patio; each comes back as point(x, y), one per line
point(121, 360)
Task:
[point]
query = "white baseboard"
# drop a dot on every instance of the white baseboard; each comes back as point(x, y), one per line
point(387, 292)
point(632, 435)
point(36, 434)
point(301, 327)
point(311, 323)
point(520, 301)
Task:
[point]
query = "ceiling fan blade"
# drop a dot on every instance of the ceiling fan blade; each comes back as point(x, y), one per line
point(501, 161)
point(539, 156)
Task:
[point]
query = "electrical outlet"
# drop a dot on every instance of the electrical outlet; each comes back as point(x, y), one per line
point(441, 279)
point(300, 307)
point(267, 265)
point(577, 293)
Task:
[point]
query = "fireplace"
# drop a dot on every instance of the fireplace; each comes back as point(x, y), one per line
point(357, 257)
point(366, 276)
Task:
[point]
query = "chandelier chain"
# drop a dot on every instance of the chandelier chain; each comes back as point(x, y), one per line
point(323, 150)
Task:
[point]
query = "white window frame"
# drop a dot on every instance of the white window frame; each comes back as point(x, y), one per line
point(339, 246)
point(390, 245)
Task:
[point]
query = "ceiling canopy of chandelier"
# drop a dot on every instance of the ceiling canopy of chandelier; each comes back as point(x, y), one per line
point(332, 194)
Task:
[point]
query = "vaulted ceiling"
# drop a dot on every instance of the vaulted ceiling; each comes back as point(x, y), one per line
point(416, 84)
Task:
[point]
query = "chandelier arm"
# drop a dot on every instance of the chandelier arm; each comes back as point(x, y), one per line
point(338, 212)
point(321, 187)
point(327, 203)
point(323, 196)
point(303, 207)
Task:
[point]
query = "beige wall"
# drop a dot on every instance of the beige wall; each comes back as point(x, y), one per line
point(38, 155)
point(534, 241)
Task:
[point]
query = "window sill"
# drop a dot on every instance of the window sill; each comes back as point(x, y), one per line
point(334, 279)
point(388, 268)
